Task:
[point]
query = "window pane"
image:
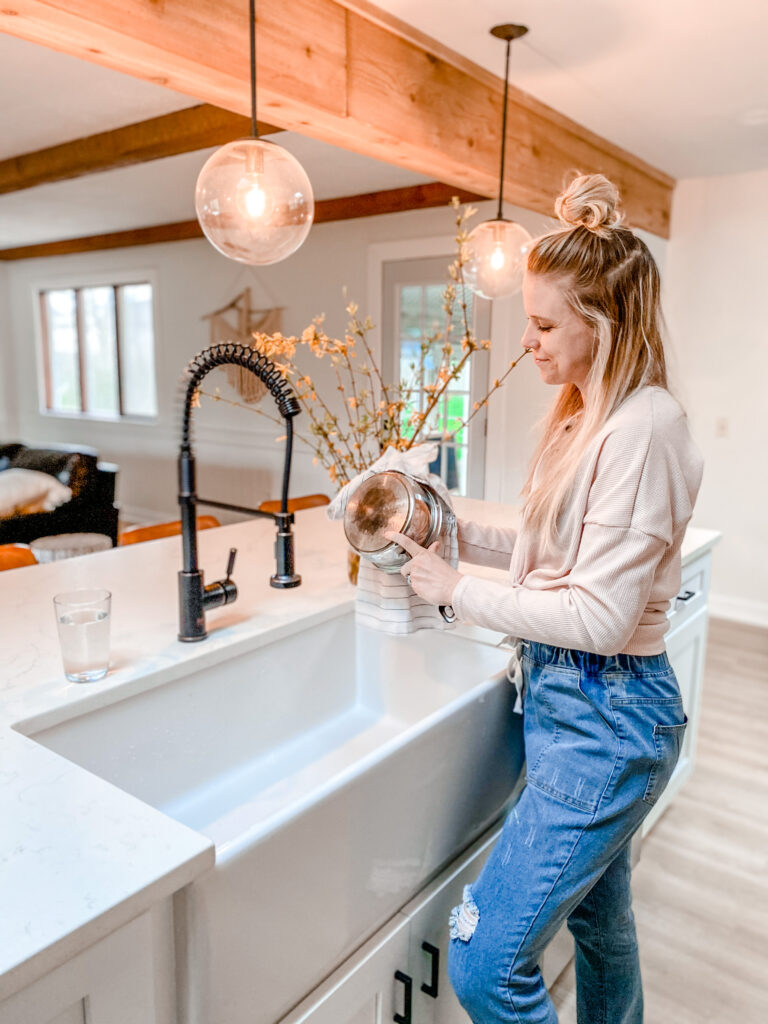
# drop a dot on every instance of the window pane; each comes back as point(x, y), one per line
point(137, 350)
point(101, 357)
point(434, 314)
point(410, 313)
point(63, 359)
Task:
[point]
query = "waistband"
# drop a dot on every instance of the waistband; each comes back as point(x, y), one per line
point(586, 661)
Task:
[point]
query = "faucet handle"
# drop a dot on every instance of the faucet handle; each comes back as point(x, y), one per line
point(230, 564)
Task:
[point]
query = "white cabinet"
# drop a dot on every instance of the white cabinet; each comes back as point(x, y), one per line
point(401, 973)
point(364, 990)
point(686, 646)
point(126, 978)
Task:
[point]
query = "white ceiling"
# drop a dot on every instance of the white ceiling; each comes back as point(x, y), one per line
point(681, 83)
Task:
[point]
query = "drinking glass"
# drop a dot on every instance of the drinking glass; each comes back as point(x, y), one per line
point(83, 620)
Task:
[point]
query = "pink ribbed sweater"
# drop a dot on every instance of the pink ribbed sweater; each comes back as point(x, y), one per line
point(607, 589)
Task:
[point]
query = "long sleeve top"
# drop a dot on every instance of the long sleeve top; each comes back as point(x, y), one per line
point(607, 588)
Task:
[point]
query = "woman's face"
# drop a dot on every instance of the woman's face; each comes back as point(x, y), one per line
point(561, 341)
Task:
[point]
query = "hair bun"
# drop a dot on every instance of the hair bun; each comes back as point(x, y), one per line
point(591, 201)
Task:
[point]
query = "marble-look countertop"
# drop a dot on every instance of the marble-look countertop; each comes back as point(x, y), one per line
point(79, 857)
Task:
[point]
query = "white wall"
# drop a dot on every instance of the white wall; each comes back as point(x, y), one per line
point(192, 279)
point(717, 269)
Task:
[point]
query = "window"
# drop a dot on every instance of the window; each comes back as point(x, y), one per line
point(413, 312)
point(98, 350)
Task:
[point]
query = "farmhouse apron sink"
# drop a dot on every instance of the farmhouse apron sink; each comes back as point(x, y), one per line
point(336, 769)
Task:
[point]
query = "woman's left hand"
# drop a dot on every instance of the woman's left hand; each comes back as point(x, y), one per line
point(430, 576)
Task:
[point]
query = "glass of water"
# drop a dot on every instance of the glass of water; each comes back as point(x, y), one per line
point(83, 620)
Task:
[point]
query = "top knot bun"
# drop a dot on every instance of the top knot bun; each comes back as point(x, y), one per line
point(591, 201)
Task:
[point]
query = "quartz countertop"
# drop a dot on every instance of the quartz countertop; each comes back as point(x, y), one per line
point(79, 857)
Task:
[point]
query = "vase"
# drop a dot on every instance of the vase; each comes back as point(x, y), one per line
point(353, 565)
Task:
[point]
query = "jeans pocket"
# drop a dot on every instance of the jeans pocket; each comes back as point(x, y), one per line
point(668, 740)
point(571, 748)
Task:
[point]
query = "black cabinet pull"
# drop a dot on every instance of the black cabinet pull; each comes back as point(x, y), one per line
point(405, 1017)
point(434, 953)
point(686, 595)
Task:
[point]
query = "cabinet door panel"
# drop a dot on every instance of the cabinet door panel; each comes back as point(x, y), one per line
point(363, 990)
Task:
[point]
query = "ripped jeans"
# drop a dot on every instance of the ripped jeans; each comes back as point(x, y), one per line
point(602, 737)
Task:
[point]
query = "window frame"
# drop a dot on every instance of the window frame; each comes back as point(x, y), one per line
point(405, 270)
point(78, 284)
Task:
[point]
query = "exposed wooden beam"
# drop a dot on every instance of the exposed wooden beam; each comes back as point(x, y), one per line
point(184, 131)
point(177, 232)
point(346, 73)
point(370, 204)
point(393, 200)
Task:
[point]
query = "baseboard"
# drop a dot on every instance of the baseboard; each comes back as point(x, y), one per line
point(727, 632)
point(741, 610)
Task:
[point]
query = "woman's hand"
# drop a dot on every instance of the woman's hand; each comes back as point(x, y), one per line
point(429, 575)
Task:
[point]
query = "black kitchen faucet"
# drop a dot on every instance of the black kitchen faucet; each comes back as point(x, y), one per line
point(196, 597)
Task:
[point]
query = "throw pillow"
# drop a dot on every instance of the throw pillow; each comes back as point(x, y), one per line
point(27, 490)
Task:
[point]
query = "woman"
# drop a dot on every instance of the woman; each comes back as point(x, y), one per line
point(593, 569)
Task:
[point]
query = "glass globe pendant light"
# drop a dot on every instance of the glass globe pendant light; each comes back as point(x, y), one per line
point(497, 248)
point(253, 198)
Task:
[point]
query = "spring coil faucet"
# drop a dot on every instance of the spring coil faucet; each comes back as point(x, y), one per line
point(195, 597)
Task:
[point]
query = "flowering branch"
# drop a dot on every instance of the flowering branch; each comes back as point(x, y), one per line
point(377, 414)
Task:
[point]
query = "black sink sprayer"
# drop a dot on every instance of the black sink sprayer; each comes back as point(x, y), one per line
point(195, 597)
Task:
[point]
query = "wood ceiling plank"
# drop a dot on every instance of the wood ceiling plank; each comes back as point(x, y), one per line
point(344, 75)
point(370, 204)
point(183, 131)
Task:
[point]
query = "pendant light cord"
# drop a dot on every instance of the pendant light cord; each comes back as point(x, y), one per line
point(252, 19)
point(499, 215)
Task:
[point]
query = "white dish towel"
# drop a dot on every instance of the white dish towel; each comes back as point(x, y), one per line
point(384, 600)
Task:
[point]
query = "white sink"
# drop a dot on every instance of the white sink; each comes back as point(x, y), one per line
point(335, 769)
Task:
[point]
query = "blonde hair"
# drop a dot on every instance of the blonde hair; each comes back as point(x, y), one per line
point(611, 281)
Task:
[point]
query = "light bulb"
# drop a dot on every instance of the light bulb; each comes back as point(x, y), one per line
point(497, 256)
point(252, 198)
point(254, 201)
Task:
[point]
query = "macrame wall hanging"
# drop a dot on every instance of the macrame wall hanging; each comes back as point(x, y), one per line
point(235, 323)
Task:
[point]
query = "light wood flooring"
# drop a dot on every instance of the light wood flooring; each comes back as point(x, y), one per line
point(700, 889)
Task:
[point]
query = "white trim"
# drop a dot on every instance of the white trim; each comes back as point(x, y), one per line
point(497, 442)
point(386, 252)
point(739, 609)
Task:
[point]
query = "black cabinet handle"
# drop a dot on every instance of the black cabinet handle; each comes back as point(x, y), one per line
point(686, 595)
point(405, 1016)
point(434, 953)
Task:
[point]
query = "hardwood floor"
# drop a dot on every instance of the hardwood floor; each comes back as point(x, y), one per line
point(700, 889)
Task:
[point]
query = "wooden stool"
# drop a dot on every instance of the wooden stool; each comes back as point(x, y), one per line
point(14, 556)
point(294, 504)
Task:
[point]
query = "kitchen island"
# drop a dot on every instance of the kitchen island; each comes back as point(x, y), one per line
point(89, 870)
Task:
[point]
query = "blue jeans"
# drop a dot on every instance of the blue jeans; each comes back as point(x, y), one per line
point(602, 737)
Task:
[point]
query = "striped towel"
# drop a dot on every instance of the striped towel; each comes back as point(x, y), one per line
point(384, 600)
